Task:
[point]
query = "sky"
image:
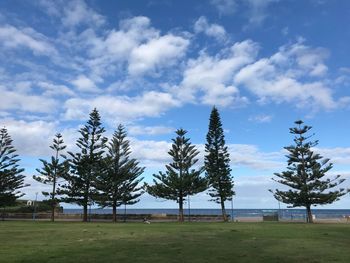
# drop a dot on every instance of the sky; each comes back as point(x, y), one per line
point(156, 66)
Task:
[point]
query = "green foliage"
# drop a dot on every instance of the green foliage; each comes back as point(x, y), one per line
point(85, 165)
point(306, 174)
point(11, 177)
point(119, 183)
point(179, 179)
point(53, 171)
point(217, 162)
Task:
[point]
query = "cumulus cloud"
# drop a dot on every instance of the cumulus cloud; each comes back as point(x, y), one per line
point(49, 89)
point(212, 30)
point(157, 53)
point(277, 78)
point(76, 12)
point(31, 138)
point(152, 154)
point(23, 101)
point(121, 108)
point(14, 38)
point(209, 79)
point(85, 84)
point(136, 44)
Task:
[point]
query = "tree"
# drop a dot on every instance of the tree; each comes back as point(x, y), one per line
point(306, 175)
point(119, 183)
point(11, 177)
point(217, 163)
point(86, 165)
point(52, 171)
point(179, 180)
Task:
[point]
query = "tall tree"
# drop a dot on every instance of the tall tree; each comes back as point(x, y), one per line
point(306, 175)
point(119, 184)
point(11, 177)
point(86, 164)
point(52, 171)
point(217, 163)
point(179, 180)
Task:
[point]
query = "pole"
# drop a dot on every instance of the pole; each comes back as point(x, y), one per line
point(232, 208)
point(90, 211)
point(189, 209)
point(279, 210)
point(124, 212)
point(3, 214)
point(34, 212)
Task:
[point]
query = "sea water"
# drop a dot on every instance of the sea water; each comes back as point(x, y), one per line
point(288, 214)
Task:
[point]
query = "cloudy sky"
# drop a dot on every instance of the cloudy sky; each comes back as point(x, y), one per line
point(156, 66)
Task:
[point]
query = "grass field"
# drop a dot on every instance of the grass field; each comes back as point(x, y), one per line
point(173, 242)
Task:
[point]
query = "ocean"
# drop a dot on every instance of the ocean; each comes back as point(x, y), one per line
point(288, 214)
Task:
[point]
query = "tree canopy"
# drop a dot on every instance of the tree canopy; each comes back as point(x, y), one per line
point(306, 174)
point(86, 165)
point(217, 163)
point(119, 184)
point(180, 179)
point(11, 177)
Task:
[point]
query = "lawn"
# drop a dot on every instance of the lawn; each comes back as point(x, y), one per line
point(173, 242)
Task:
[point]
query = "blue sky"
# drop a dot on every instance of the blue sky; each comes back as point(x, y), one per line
point(156, 66)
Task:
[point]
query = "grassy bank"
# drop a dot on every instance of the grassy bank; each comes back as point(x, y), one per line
point(173, 242)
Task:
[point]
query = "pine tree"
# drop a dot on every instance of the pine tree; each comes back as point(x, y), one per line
point(119, 184)
point(217, 163)
point(52, 171)
point(11, 177)
point(305, 175)
point(179, 180)
point(86, 165)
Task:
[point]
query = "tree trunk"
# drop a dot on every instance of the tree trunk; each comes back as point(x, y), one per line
point(181, 209)
point(114, 211)
point(224, 216)
point(85, 212)
point(309, 215)
point(53, 213)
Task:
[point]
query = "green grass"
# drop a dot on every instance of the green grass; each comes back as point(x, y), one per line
point(173, 242)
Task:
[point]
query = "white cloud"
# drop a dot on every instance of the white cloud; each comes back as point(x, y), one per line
point(136, 45)
point(12, 38)
point(278, 78)
point(212, 30)
point(23, 101)
point(149, 130)
point(121, 108)
point(250, 156)
point(157, 53)
point(50, 89)
point(119, 43)
point(85, 84)
point(262, 118)
point(209, 79)
point(76, 12)
point(155, 153)
point(31, 138)
point(257, 10)
point(152, 154)
point(225, 7)
point(337, 155)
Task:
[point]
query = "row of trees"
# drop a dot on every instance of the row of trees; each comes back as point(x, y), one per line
point(103, 172)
